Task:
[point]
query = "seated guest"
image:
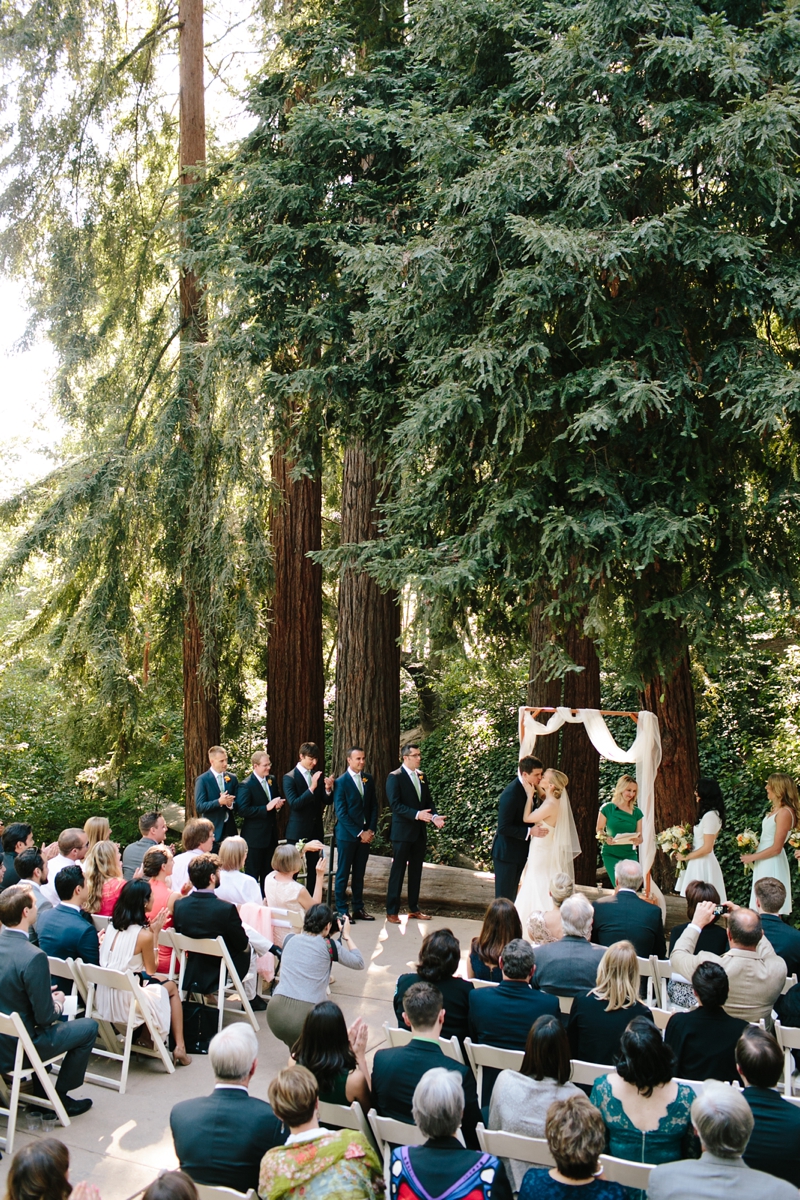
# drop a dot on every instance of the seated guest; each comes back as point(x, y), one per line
point(73, 846)
point(521, 1099)
point(576, 1136)
point(774, 1144)
point(306, 969)
point(16, 838)
point(756, 974)
point(104, 881)
point(397, 1071)
point(647, 1114)
point(234, 885)
point(441, 1166)
point(281, 889)
point(40, 1171)
point(153, 829)
point(32, 869)
point(202, 915)
point(315, 1162)
point(220, 1139)
point(712, 938)
point(171, 1185)
point(544, 927)
point(335, 1056)
point(157, 870)
point(439, 956)
point(597, 1020)
point(67, 931)
point(129, 944)
point(25, 989)
point(569, 967)
point(784, 938)
point(704, 1040)
point(97, 829)
point(626, 917)
point(723, 1122)
point(501, 925)
point(197, 838)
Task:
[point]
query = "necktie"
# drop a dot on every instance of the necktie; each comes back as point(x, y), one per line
point(265, 785)
point(359, 784)
point(221, 783)
point(417, 785)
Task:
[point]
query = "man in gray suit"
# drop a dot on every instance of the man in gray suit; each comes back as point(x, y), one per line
point(569, 967)
point(723, 1121)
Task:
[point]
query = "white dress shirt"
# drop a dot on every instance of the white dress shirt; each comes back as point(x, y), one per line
point(55, 865)
point(238, 888)
point(180, 868)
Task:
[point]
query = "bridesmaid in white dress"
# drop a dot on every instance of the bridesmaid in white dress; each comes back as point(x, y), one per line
point(701, 862)
point(552, 853)
point(770, 857)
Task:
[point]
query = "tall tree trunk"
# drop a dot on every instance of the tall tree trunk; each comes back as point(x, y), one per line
point(543, 692)
point(579, 759)
point(201, 721)
point(295, 669)
point(673, 703)
point(368, 650)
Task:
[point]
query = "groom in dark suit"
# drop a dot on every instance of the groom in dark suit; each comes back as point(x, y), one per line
point(356, 808)
point(257, 802)
point(215, 796)
point(510, 845)
point(412, 811)
point(307, 800)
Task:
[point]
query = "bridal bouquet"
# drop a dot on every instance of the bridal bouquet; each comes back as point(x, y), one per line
point(747, 843)
point(678, 839)
point(603, 836)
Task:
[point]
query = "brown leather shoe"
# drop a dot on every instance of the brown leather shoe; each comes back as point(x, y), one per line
point(418, 916)
point(393, 919)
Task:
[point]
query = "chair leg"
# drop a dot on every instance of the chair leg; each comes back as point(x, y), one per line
point(221, 994)
point(52, 1095)
point(13, 1103)
point(126, 1053)
point(158, 1041)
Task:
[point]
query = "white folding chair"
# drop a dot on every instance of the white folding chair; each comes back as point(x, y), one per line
point(515, 1145)
point(480, 1055)
point(791, 980)
point(68, 970)
point(565, 1003)
point(587, 1072)
point(346, 1116)
point(165, 939)
point(126, 983)
point(388, 1132)
point(401, 1037)
point(479, 983)
point(223, 1193)
point(12, 1025)
point(99, 922)
point(661, 1017)
point(788, 1038)
point(657, 972)
point(215, 948)
point(626, 1174)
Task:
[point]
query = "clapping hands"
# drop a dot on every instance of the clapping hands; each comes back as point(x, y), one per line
point(357, 1035)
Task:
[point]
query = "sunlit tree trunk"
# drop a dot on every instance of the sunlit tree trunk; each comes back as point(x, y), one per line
point(579, 759)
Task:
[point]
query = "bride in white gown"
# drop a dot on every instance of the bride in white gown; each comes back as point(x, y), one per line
point(549, 854)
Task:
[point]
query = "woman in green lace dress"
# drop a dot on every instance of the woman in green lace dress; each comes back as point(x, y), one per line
point(317, 1164)
point(621, 816)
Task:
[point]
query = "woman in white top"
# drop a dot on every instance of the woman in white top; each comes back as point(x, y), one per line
point(197, 838)
point(701, 863)
point(770, 857)
point(129, 944)
point(234, 885)
point(281, 889)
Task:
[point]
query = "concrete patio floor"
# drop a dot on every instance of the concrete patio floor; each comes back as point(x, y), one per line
point(123, 1143)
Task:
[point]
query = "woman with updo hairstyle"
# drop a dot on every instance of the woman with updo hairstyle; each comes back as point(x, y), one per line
point(282, 890)
point(157, 870)
point(501, 925)
point(39, 1171)
point(544, 927)
point(576, 1138)
point(439, 958)
point(597, 1020)
point(102, 871)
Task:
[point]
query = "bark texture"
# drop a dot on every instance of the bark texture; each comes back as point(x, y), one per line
point(368, 650)
point(543, 692)
point(579, 759)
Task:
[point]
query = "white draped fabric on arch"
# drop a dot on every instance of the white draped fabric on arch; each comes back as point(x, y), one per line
point(644, 752)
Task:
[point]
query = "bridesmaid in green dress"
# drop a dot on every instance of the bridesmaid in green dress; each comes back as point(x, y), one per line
point(620, 815)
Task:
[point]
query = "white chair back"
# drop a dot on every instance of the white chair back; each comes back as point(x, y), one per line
point(788, 1038)
point(479, 1055)
point(565, 1003)
point(215, 948)
point(586, 1073)
point(388, 1132)
point(479, 983)
point(401, 1037)
point(346, 1116)
point(791, 980)
point(12, 1026)
point(537, 1152)
point(99, 922)
point(205, 1192)
point(661, 1017)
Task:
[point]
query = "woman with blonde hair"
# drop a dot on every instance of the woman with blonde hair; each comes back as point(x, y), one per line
point(104, 881)
point(553, 846)
point(620, 819)
point(770, 857)
point(234, 885)
point(281, 889)
point(598, 1020)
point(97, 829)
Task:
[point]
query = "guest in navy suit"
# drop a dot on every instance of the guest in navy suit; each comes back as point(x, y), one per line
point(510, 845)
point(356, 806)
point(215, 795)
point(774, 1145)
point(258, 802)
point(412, 811)
point(626, 917)
point(67, 931)
point(307, 800)
point(202, 915)
point(784, 938)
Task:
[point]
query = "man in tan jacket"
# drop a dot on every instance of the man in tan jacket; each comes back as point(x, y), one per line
point(755, 972)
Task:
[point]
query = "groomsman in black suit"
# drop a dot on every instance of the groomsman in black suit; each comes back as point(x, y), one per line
point(356, 807)
point(258, 803)
point(412, 811)
point(215, 796)
point(510, 845)
point(306, 800)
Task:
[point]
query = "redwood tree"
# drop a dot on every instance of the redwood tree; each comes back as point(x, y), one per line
point(579, 759)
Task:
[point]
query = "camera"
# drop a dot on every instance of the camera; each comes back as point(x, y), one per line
point(719, 910)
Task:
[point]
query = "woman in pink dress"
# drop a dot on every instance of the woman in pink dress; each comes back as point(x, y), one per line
point(157, 870)
point(104, 880)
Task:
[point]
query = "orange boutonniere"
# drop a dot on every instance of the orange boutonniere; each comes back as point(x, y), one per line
point(363, 779)
point(420, 776)
point(227, 778)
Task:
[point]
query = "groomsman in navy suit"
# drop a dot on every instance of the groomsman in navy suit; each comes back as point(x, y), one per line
point(258, 803)
point(413, 811)
point(215, 796)
point(356, 806)
point(307, 800)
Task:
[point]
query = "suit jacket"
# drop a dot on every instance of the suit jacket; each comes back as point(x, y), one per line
point(24, 988)
point(713, 1178)
point(704, 1041)
point(511, 840)
point(756, 977)
point(405, 804)
point(220, 1139)
point(503, 1015)
point(593, 1033)
point(567, 967)
point(354, 812)
point(10, 877)
point(206, 799)
point(67, 932)
point(133, 855)
point(203, 915)
point(785, 941)
point(396, 1072)
point(626, 917)
point(441, 1162)
point(774, 1144)
point(305, 807)
point(260, 828)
